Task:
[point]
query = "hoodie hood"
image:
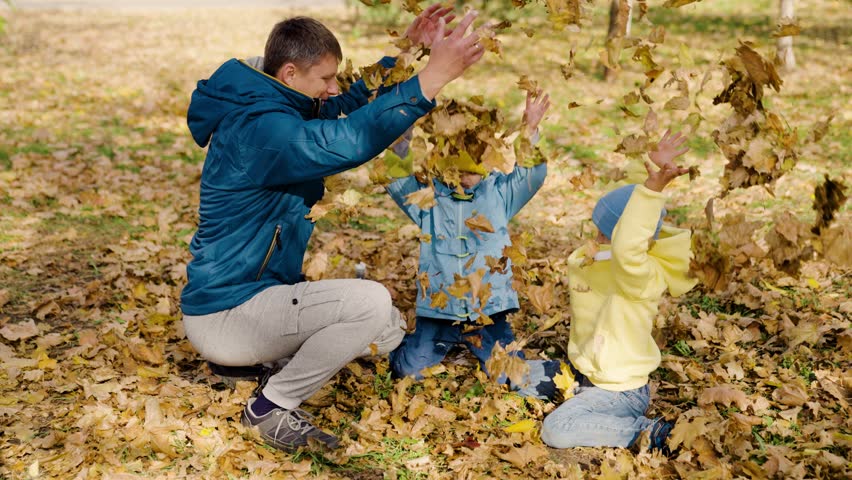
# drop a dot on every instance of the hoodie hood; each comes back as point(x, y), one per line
point(672, 253)
point(237, 87)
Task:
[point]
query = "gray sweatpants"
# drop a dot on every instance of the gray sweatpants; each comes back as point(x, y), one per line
point(322, 325)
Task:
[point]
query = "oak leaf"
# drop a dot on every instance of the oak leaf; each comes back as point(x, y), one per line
point(725, 395)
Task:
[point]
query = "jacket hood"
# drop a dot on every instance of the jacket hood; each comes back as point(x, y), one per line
point(672, 253)
point(234, 87)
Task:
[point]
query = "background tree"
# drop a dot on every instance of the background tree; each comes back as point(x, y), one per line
point(785, 57)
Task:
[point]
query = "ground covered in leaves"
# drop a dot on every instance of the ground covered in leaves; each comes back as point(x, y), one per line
point(98, 197)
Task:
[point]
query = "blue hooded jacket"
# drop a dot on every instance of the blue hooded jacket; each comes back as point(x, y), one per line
point(270, 148)
point(455, 249)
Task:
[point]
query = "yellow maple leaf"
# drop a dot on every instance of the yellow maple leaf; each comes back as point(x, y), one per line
point(523, 426)
point(565, 381)
point(44, 361)
point(439, 300)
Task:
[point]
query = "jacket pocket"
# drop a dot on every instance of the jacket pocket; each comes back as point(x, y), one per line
point(273, 244)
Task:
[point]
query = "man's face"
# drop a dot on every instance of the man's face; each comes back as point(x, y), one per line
point(317, 81)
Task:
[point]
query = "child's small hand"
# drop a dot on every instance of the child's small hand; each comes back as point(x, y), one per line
point(663, 157)
point(667, 149)
point(537, 105)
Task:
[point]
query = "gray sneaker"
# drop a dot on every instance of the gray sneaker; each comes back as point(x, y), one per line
point(286, 429)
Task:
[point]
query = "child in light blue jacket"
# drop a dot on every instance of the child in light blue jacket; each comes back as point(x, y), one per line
point(452, 310)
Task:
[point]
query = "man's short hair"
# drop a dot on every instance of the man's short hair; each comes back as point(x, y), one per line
point(302, 41)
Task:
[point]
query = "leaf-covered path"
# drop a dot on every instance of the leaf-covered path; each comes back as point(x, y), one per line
point(98, 198)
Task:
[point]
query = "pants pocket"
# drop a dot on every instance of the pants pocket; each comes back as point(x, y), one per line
point(638, 399)
point(318, 308)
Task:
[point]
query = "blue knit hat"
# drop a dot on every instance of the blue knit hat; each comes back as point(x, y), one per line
point(610, 207)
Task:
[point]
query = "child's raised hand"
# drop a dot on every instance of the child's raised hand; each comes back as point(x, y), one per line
point(668, 149)
point(663, 157)
point(537, 105)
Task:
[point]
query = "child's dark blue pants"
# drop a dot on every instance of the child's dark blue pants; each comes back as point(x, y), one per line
point(433, 338)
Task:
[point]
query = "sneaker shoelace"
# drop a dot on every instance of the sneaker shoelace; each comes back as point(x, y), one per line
point(297, 420)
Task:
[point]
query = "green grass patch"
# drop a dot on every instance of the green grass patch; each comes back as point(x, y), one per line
point(701, 146)
point(582, 152)
point(35, 147)
point(391, 454)
point(679, 215)
point(5, 160)
point(377, 224)
point(97, 226)
point(107, 151)
point(166, 139)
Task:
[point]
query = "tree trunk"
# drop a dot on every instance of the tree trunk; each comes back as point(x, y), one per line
point(785, 57)
point(619, 27)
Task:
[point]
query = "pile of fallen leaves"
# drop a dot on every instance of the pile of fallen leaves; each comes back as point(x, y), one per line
point(99, 184)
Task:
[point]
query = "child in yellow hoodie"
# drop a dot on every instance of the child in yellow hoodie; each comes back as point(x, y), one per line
point(614, 298)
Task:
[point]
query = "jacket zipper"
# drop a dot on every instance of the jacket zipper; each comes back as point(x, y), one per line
point(274, 243)
point(460, 222)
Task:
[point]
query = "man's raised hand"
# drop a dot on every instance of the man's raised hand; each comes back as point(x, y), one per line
point(424, 28)
point(451, 55)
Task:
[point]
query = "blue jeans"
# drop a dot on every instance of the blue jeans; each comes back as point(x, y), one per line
point(433, 338)
point(593, 417)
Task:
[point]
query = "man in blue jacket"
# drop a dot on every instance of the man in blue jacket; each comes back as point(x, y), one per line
point(273, 136)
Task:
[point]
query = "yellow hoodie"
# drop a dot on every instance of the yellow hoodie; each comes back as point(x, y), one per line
point(614, 300)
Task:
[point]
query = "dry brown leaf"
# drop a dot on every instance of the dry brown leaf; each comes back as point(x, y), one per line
point(541, 297)
point(479, 223)
point(317, 266)
point(423, 198)
point(19, 331)
point(726, 395)
point(521, 456)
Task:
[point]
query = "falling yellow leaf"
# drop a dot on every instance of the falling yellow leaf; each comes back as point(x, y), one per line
point(677, 103)
point(684, 57)
point(423, 198)
point(524, 83)
point(787, 27)
point(480, 223)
